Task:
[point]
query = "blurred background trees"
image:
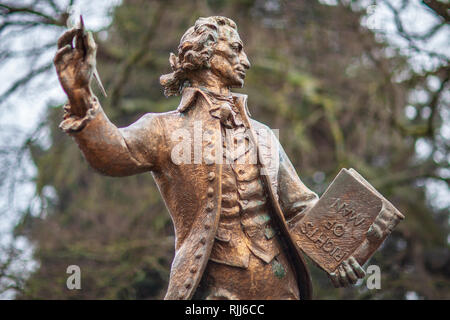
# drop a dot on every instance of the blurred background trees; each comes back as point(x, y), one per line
point(322, 72)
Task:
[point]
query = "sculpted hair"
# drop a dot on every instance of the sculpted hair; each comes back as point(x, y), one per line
point(194, 52)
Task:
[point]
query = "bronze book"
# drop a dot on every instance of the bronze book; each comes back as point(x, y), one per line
point(350, 219)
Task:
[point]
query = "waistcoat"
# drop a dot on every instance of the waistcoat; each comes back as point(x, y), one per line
point(245, 225)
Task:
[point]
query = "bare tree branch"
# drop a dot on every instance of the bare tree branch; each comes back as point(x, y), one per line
point(32, 52)
point(10, 10)
point(134, 58)
point(411, 38)
point(24, 80)
point(441, 8)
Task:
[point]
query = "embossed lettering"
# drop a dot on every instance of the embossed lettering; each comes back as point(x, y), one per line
point(321, 239)
point(328, 246)
point(339, 230)
point(347, 210)
point(339, 254)
point(329, 225)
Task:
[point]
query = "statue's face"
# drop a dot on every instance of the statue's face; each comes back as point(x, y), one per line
point(229, 61)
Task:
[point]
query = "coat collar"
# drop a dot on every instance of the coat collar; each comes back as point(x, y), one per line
point(190, 95)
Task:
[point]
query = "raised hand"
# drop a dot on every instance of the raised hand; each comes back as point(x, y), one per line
point(75, 64)
point(347, 273)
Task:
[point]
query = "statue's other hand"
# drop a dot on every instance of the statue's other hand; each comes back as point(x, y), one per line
point(347, 273)
point(382, 225)
point(75, 65)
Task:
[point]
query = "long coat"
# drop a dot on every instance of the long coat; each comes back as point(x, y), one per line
point(192, 191)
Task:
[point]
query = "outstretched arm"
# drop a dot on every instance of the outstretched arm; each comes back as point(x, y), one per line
point(110, 150)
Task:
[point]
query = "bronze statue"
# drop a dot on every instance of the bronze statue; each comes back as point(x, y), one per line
point(231, 197)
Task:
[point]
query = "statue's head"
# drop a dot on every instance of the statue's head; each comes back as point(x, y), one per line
point(212, 45)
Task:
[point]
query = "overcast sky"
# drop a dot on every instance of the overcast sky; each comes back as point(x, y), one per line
point(26, 108)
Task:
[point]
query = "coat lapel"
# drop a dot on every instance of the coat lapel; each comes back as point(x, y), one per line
point(263, 138)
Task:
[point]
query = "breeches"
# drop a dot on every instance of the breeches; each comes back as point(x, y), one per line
point(263, 281)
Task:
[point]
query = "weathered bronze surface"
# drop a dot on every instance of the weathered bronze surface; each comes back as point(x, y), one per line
point(349, 222)
point(230, 189)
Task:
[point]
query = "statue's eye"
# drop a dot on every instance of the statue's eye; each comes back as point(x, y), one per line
point(236, 47)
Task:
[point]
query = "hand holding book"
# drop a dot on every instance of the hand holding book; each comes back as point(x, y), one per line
point(346, 226)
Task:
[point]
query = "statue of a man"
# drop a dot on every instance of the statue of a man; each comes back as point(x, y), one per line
point(231, 197)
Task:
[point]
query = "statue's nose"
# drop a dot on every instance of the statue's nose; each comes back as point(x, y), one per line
point(245, 62)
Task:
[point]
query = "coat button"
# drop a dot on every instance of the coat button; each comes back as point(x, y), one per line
point(211, 176)
point(209, 207)
point(194, 269)
point(210, 192)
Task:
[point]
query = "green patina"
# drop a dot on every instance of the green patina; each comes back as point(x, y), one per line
point(278, 269)
point(269, 232)
point(264, 218)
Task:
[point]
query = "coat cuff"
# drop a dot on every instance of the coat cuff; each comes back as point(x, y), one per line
point(299, 208)
point(73, 123)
